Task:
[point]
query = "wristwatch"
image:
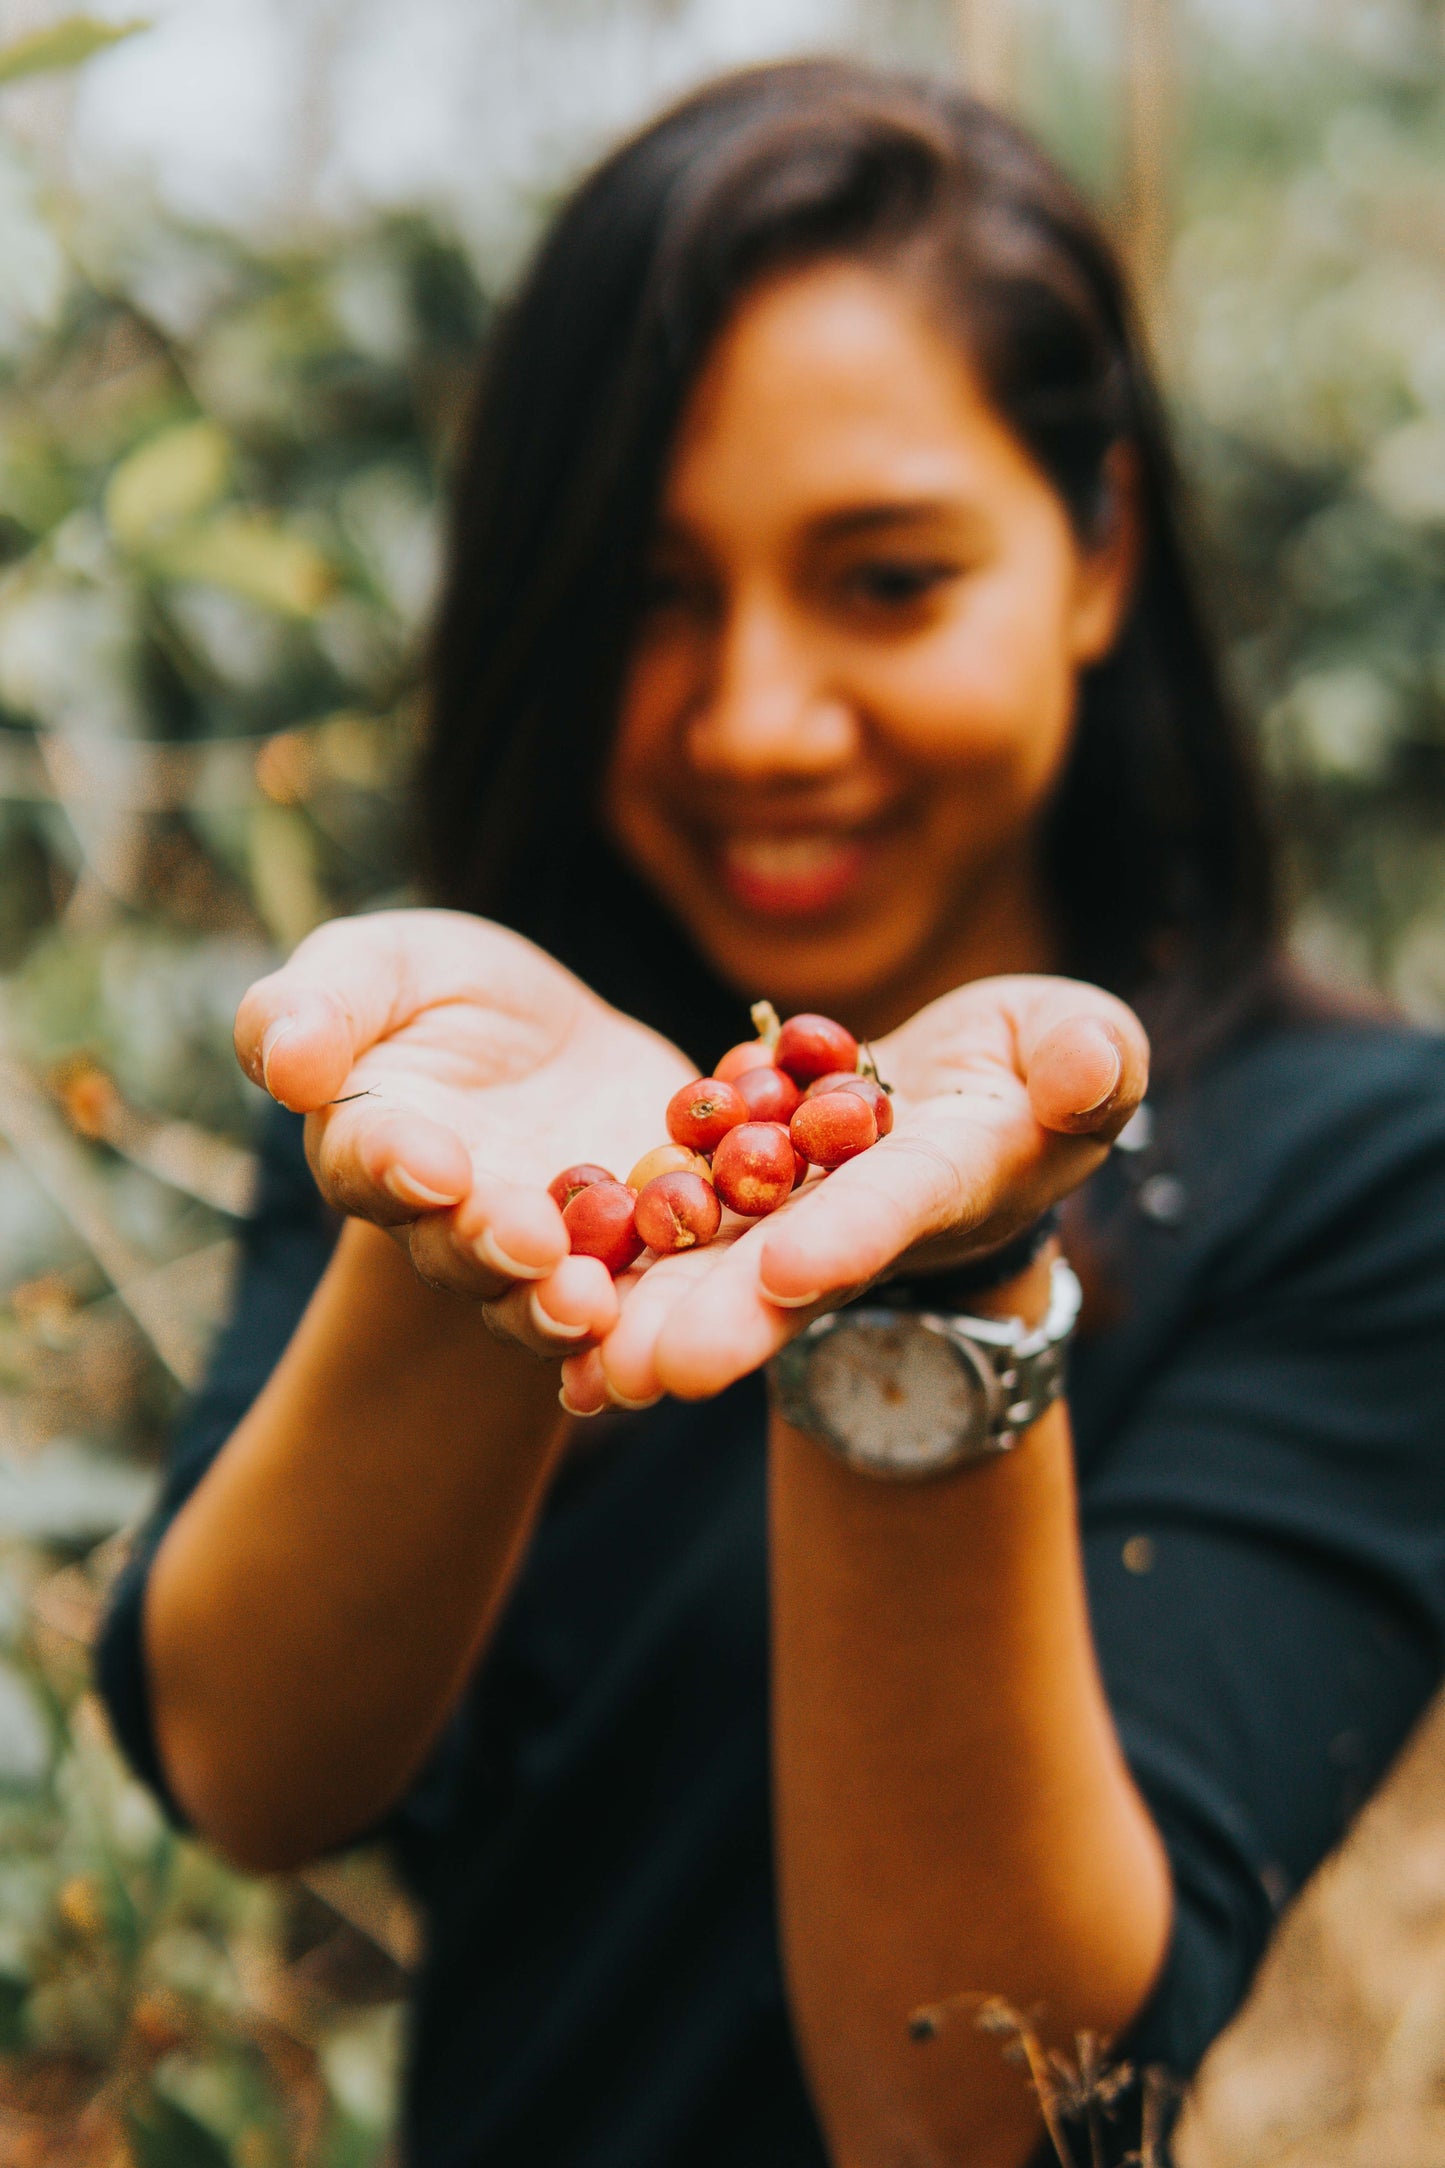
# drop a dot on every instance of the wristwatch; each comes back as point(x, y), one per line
point(909, 1392)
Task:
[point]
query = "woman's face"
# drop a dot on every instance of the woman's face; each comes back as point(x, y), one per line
point(853, 688)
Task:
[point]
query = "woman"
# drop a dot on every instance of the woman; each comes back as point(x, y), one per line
point(817, 627)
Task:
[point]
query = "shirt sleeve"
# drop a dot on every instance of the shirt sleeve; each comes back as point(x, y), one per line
point(284, 1251)
point(1265, 1530)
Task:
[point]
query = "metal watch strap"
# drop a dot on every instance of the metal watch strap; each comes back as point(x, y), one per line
point(1020, 1369)
point(1032, 1370)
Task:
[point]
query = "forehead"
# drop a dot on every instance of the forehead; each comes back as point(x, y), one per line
point(832, 385)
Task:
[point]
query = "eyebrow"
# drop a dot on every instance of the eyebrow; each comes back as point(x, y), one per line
point(855, 520)
point(865, 519)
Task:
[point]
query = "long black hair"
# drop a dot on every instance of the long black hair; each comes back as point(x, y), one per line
point(1157, 853)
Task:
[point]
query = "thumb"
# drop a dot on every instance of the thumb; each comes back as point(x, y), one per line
point(1087, 1073)
point(300, 1030)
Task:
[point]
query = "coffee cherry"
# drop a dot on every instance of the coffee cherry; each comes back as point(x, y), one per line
point(752, 1054)
point(834, 1127)
point(800, 1167)
point(665, 1159)
point(677, 1212)
point(754, 1168)
point(702, 1113)
point(601, 1222)
point(809, 1046)
point(572, 1179)
point(771, 1096)
point(865, 1088)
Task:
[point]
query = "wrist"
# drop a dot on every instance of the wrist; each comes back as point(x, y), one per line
point(1026, 1295)
point(971, 1288)
point(429, 1320)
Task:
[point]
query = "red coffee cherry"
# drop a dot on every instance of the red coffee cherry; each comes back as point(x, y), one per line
point(752, 1054)
point(809, 1046)
point(677, 1211)
point(601, 1222)
point(771, 1096)
point(665, 1159)
point(702, 1113)
point(834, 1127)
point(566, 1185)
point(865, 1087)
point(754, 1168)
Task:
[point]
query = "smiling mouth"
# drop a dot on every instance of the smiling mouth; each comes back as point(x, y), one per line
point(791, 876)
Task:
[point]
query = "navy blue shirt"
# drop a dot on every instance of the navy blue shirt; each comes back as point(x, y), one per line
point(1260, 1426)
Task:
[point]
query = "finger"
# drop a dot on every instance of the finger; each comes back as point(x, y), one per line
point(574, 1305)
point(1085, 1059)
point(628, 1353)
point(936, 1171)
point(584, 1388)
point(385, 1164)
point(299, 1031)
point(722, 1328)
point(502, 1232)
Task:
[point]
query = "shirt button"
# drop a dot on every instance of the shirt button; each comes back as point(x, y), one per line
point(1163, 1199)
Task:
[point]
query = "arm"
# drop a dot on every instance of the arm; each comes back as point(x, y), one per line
point(954, 1810)
point(314, 1610)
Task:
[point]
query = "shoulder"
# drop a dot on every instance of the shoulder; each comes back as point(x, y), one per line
point(1284, 1210)
point(1295, 1129)
point(1292, 1082)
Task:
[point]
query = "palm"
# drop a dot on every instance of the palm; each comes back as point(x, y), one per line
point(450, 1069)
point(1006, 1093)
point(487, 1042)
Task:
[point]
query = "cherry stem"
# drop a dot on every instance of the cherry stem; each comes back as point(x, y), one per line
point(766, 1022)
point(868, 1066)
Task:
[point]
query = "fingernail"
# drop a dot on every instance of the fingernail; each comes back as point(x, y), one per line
point(552, 1326)
point(581, 1413)
point(792, 1302)
point(490, 1251)
point(621, 1400)
point(1112, 1086)
point(271, 1039)
point(408, 1190)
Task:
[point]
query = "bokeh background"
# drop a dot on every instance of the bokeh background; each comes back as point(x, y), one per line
point(248, 249)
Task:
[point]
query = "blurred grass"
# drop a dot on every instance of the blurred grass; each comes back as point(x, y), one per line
point(218, 541)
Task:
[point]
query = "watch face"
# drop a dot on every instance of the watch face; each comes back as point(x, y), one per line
point(896, 1395)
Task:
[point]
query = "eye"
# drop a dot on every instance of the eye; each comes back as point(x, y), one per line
point(896, 583)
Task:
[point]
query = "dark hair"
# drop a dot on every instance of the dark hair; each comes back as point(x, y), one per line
point(1156, 851)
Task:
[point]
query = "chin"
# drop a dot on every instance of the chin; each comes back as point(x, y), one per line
point(838, 974)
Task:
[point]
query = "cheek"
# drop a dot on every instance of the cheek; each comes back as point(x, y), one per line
point(660, 688)
point(653, 694)
point(990, 694)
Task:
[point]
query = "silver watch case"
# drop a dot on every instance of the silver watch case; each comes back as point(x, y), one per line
point(907, 1394)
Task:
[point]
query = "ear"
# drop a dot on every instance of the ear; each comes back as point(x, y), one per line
point(1109, 567)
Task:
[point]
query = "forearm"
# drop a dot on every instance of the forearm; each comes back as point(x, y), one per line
point(954, 1812)
point(315, 1609)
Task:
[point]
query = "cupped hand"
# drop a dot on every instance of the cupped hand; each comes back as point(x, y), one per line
point(448, 1070)
point(1007, 1095)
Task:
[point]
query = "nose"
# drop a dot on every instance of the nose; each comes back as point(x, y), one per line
point(767, 709)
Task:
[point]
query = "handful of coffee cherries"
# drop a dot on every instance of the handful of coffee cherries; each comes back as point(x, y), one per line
point(803, 1094)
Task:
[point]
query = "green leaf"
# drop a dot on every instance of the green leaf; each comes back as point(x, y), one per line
point(252, 555)
point(63, 45)
point(171, 478)
point(164, 2136)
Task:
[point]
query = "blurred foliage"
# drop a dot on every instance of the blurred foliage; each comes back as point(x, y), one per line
point(218, 542)
point(1305, 319)
point(218, 482)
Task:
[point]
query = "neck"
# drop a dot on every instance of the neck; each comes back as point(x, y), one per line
point(999, 927)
